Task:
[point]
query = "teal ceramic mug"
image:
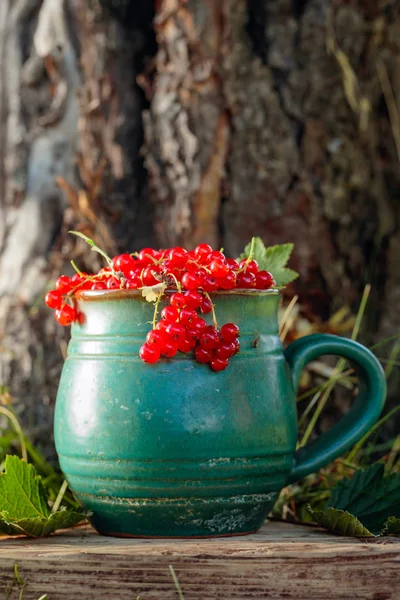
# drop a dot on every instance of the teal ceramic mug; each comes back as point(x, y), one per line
point(174, 449)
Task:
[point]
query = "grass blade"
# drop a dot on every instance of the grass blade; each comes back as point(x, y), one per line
point(177, 584)
point(337, 371)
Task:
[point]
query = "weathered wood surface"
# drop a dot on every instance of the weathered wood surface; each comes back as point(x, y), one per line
point(280, 561)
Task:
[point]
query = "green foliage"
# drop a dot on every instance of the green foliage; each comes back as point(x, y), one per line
point(273, 259)
point(366, 504)
point(340, 522)
point(391, 526)
point(23, 504)
point(369, 495)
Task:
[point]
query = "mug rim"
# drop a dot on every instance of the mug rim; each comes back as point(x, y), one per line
point(123, 294)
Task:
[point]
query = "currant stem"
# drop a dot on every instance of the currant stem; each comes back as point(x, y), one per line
point(215, 323)
point(76, 268)
point(156, 304)
point(178, 285)
point(250, 257)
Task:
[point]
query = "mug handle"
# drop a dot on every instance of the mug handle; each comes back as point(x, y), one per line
point(362, 415)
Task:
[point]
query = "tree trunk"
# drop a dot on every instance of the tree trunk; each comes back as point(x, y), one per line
point(281, 119)
point(256, 117)
point(69, 159)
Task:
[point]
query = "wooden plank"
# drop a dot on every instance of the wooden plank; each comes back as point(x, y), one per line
point(280, 561)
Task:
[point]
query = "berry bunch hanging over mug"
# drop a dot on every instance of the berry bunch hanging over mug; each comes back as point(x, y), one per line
point(186, 278)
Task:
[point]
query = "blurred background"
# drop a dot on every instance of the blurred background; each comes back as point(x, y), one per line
point(186, 121)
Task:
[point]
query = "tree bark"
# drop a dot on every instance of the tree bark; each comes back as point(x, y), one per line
point(255, 117)
point(281, 119)
point(69, 159)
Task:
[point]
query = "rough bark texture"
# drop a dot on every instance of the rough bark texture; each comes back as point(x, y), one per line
point(69, 159)
point(278, 119)
point(297, 112)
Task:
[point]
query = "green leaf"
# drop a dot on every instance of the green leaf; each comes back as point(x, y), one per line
point(152, 292)
point(369, 495)
point(23, 505)
point(258, 253)
point(273, 259)
point(21, 490)
point(276, 259)
point(340, 522)
point(391, 526)
point(39, 526)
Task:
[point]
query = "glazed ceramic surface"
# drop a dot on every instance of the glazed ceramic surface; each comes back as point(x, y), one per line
point(174, 449)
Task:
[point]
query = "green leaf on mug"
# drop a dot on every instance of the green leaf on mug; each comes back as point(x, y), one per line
point(273, 259)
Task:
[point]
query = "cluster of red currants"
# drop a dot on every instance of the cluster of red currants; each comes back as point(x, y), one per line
point(181, 328)
point(192, 276)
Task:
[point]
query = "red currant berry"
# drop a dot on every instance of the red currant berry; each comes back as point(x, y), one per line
point(191, 265)
point(210, 284)
point(170, 314)
point(162, 326)
point(193, 334)
point(187, 317)
point(148, 276)
point(176, 332)
point(194, 299)
point(228, 282)
point(53, 299)
point(148, 256)
point(206, 306)
point(86, 285)
point(76, 279)
point(66, 315)
point(202, 355)
point(155, 338)
point(199, 325)
point(80, 318)
point(149, 353)
point(264, 280)
point(187, 344)
point(134, 281)
point(225, 350)
point(246, 280)
point(209, 338)
point(237, 345)
point(229, 332)
point(192, 280)
point(217, 255)
point(178, 300)
point(178, 257)
point(233, 264)
point(218, 364)
point(113, 283)
point(99, 285)
point(64, 284)
point(202, 253)
point(123, 262)
point(249, 267)
point(169, 348)
point(219, 268)
point(133, 284)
